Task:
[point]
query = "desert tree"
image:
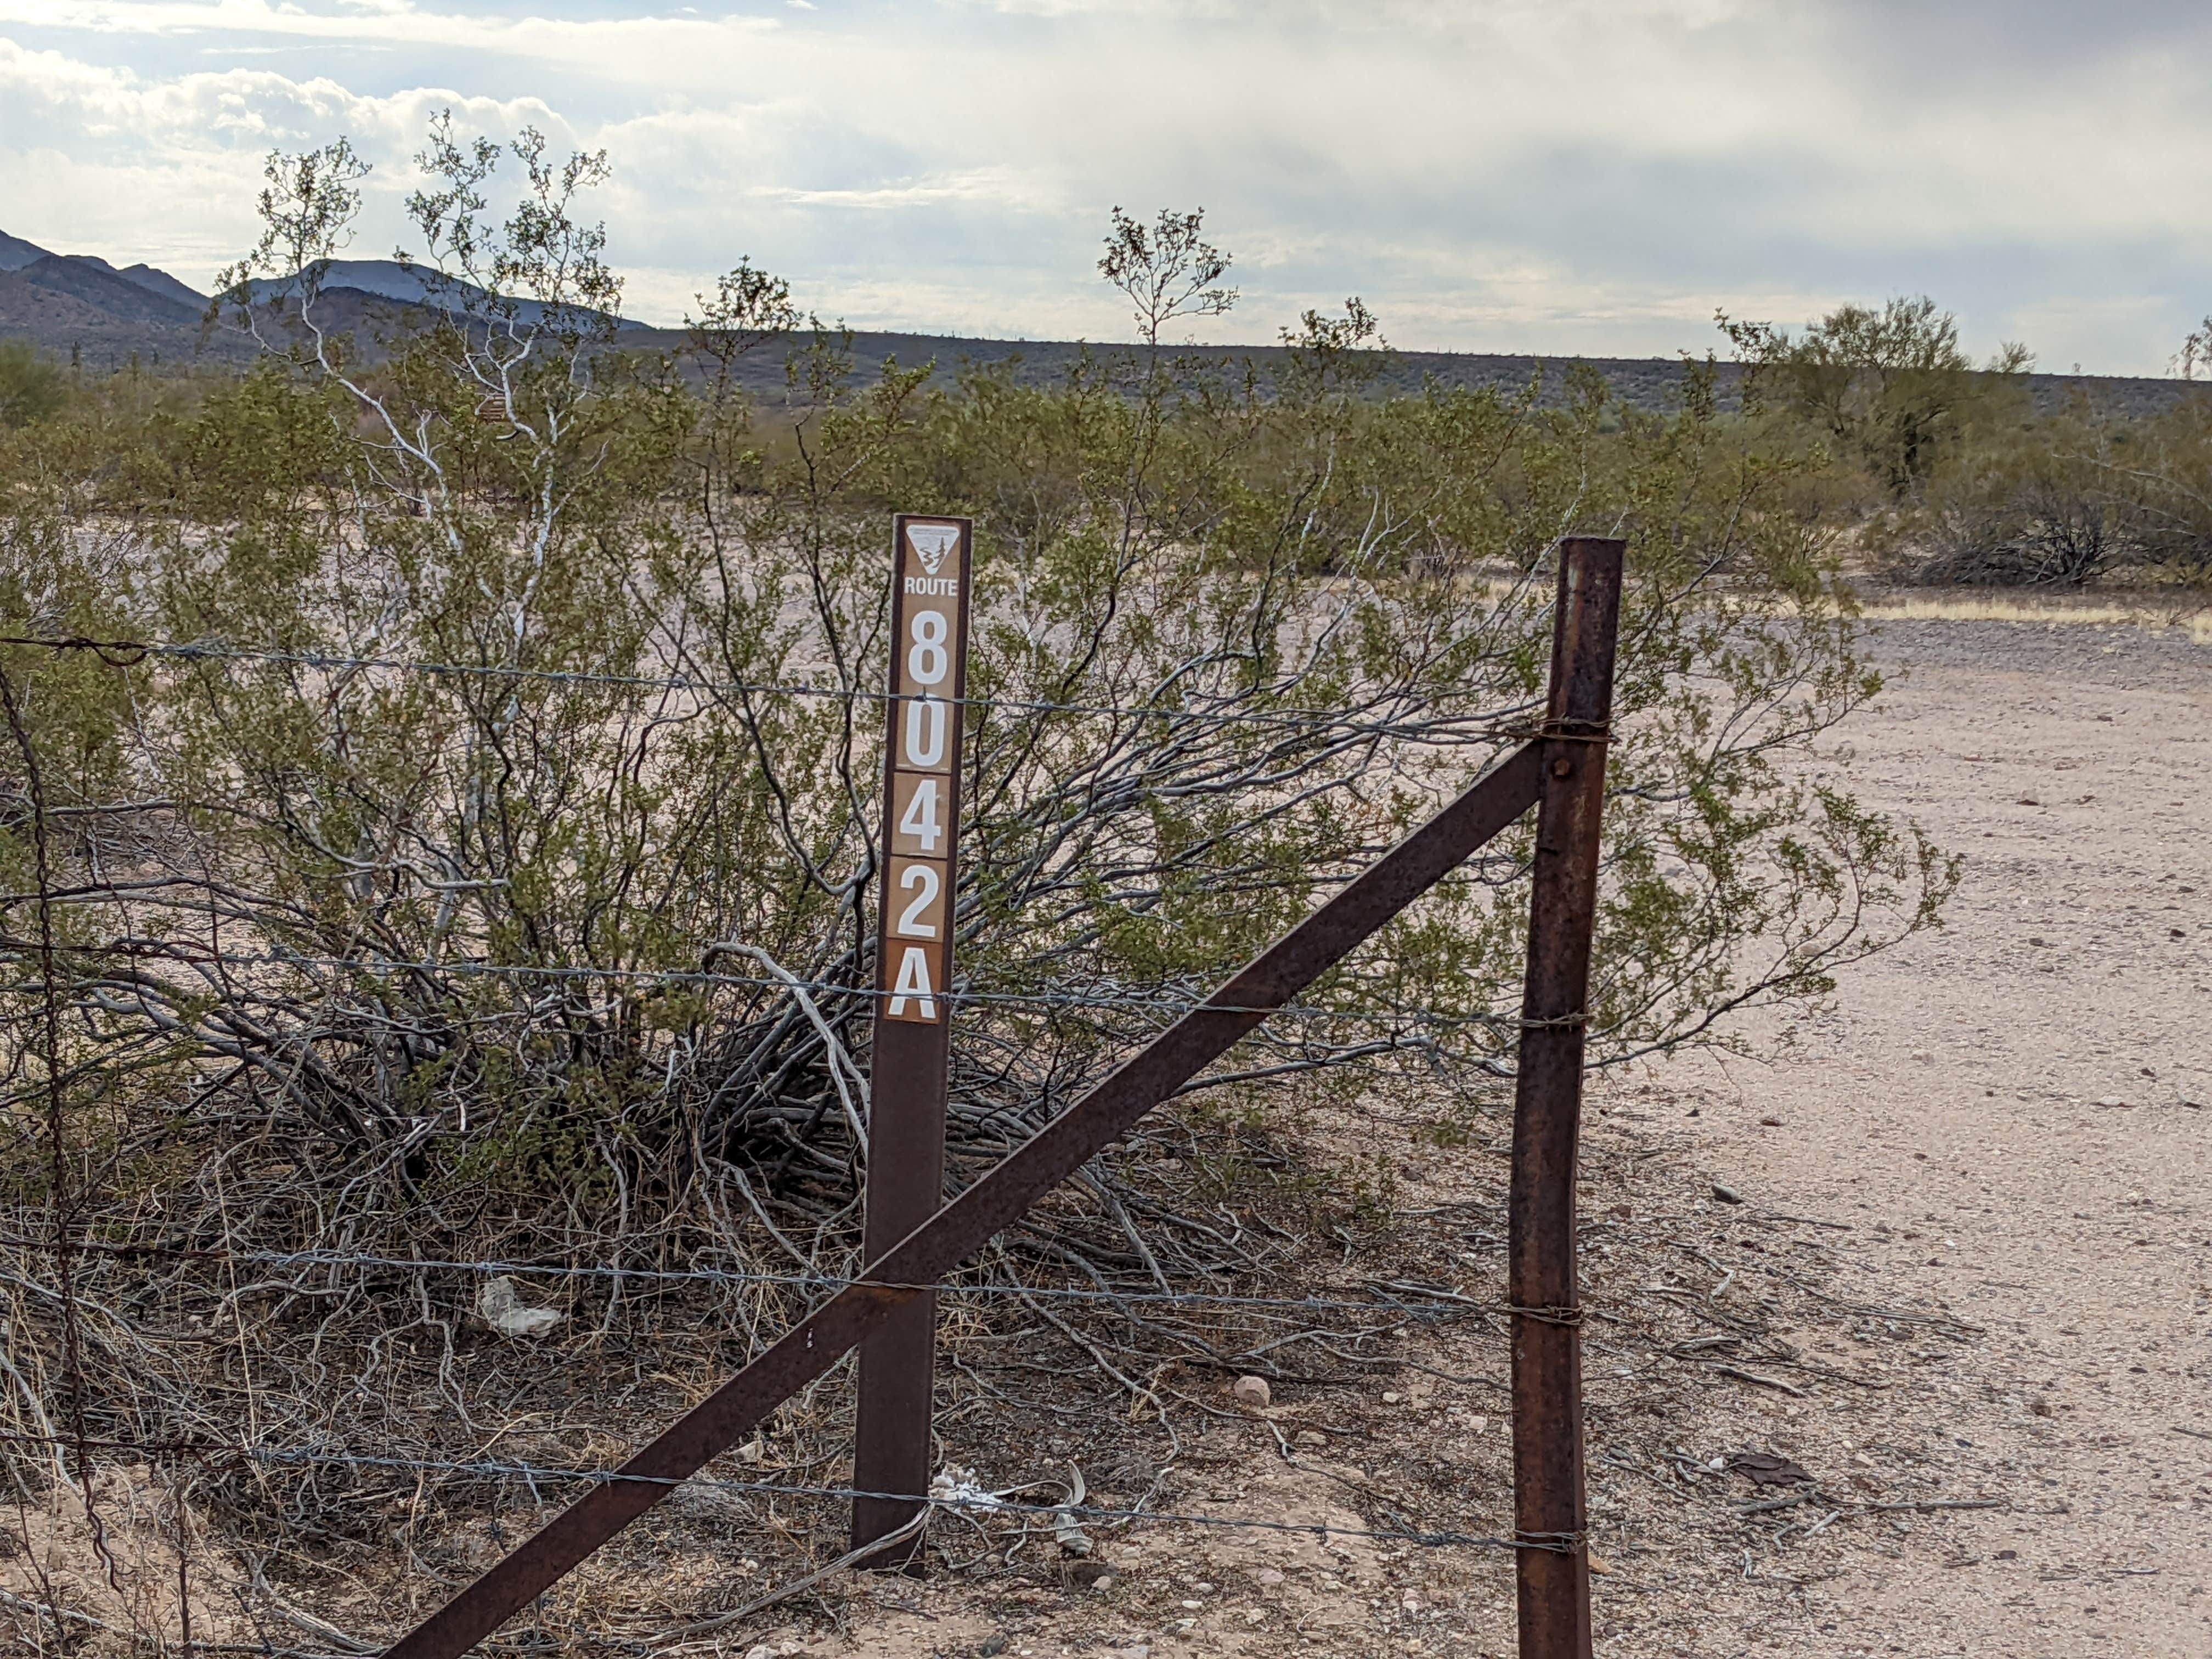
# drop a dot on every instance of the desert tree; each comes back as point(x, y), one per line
point(1892, 387)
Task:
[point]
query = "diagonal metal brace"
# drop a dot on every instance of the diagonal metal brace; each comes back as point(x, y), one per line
point(997, 1200)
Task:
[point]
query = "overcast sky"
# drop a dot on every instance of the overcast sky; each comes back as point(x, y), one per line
point(1590, 176)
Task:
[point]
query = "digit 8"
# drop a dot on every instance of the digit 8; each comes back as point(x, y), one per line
point(928, 660)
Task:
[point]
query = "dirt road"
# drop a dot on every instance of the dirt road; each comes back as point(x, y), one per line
point(2016, 1115)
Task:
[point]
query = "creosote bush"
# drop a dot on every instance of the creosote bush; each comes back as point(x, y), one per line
point(478, 843)
point(1959, 481)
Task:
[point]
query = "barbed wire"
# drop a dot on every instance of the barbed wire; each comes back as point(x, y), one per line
point(979, 1503)
point(1375, 719)
point(165, 951)
point(1392, 1298)
point(124, 653)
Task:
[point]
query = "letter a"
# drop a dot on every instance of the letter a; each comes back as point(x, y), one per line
point(914, 981)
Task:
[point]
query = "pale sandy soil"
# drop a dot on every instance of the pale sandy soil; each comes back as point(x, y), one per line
point(2024, 1101)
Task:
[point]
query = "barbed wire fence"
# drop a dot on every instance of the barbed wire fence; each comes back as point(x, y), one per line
point(137, 1275)
point(205, 1316)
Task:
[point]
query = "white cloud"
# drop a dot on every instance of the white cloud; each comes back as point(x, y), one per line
point(1592, 175)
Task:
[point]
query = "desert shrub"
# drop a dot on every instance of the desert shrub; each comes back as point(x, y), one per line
point(2068, 501)
point(31, 388)
point(2163, 471)
point(499, 860)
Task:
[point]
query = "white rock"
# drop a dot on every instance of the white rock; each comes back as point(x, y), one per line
point(500, 1305)
point(1269, 1577)
point(1251, 1391)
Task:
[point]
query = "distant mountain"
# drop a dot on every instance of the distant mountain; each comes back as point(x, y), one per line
point(409, 285)
point(79, 305)
point(15, 252)
point(76, 304)
point(101, 285)
point(152, 280)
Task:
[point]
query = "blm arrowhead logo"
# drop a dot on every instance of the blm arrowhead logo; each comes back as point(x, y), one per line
point(931, 542)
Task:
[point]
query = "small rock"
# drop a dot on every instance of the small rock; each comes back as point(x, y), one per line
point(1309, 1437)
point(1477, 1425)
point(2114, 1103)
point(761, 1651)
point(1599, 1565)
point(1770, 1123)
point(1727, 1194)
point(994, 1643)
point(1252, 1391)
point(1390, 1396)
point(1268, 1577)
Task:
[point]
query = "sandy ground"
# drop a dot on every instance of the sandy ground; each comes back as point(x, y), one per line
point(2017, 1112)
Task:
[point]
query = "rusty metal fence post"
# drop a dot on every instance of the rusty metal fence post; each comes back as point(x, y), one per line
point(910, 1056)
point(1550, 1516)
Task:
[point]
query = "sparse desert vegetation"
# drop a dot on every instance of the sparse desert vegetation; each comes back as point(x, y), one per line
point(437, 816)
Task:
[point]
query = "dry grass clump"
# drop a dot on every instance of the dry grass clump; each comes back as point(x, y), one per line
point(1976, 605)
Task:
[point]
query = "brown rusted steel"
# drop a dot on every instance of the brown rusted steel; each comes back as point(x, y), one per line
point(965, 1224)
point(1550, 1515)
point(910, 1057)
point(892, 1414)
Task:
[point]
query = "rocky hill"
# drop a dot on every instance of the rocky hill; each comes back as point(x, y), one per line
point(80, 306)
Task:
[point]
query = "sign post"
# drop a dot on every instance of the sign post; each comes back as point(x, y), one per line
point(912, 1049)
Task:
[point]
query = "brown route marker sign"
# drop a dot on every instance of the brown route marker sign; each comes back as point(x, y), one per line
point(912, 1051)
